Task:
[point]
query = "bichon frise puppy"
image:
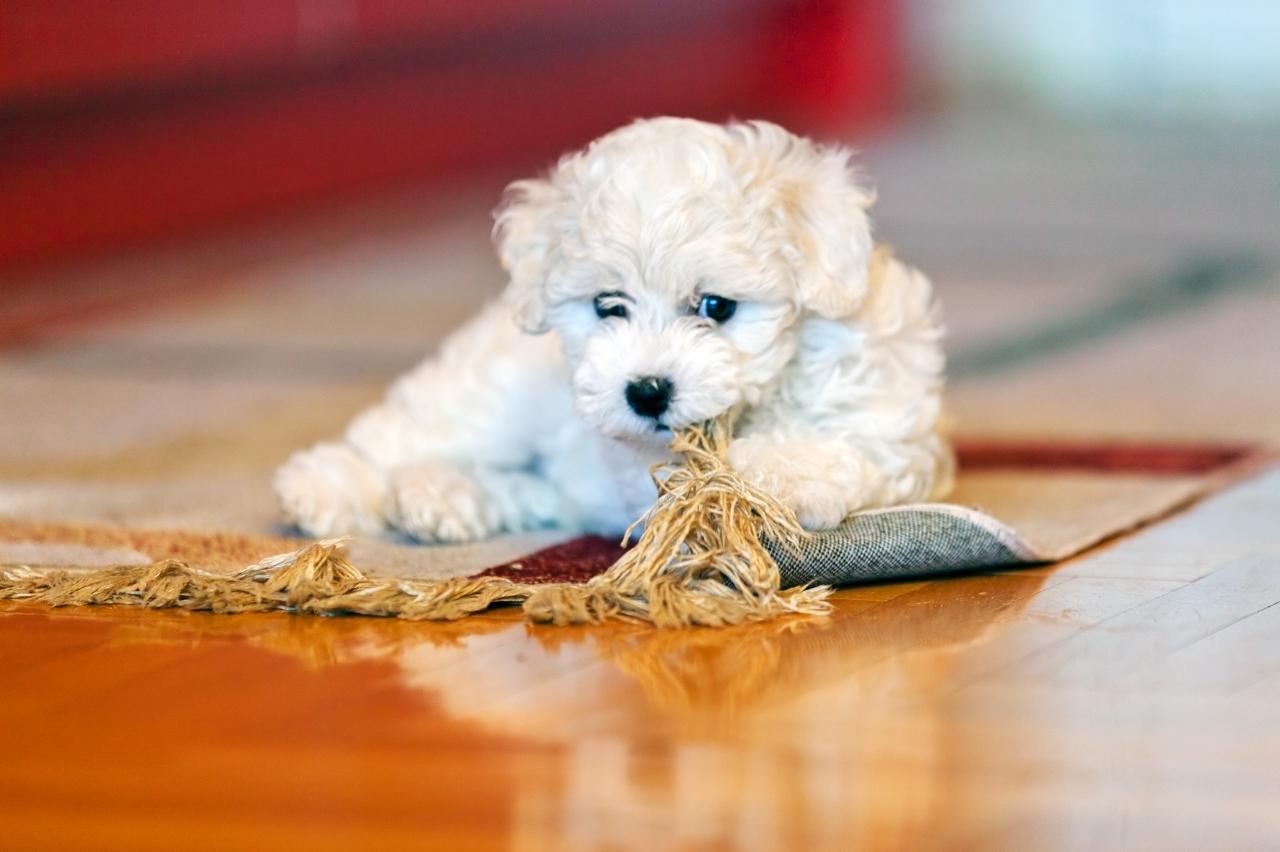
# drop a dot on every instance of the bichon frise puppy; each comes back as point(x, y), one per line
point(686, 269)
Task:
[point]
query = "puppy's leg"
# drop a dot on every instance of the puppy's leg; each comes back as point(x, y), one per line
point(331, 490)
point(825, 481)
point(445, 503)
point(482, 403)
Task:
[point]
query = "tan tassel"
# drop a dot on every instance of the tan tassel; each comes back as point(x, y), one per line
point(699, 561)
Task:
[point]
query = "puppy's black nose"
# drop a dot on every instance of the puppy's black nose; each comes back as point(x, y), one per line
point(649, 396)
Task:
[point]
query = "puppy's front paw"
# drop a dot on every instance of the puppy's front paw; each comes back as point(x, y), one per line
point(820, 489)
point(329, 490)
point(440, 503)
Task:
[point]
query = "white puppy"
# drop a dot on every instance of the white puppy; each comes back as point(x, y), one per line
point(686, 269)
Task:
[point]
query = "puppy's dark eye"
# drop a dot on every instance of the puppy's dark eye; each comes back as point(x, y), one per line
point(610, 305)
point(717, 308)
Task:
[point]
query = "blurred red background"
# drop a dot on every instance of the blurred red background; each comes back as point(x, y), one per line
point(126, 121)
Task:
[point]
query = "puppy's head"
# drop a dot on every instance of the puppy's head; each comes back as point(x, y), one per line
point(674, 259)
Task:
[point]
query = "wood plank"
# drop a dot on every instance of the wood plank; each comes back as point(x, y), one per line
point(1056, 614)
point(1235, 658)
point(1144, 636)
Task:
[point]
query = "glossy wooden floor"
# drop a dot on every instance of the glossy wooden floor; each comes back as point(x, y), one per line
point(1128, 699)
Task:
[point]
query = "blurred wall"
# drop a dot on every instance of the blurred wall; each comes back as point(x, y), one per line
point(131, 120)
point(1164, 60)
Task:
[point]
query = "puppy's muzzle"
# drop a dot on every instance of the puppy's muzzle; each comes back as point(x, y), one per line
point(649, 396)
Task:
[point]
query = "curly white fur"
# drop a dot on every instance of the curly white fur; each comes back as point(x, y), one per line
point(837, 376)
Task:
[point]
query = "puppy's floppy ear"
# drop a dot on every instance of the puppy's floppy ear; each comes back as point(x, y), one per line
point(816, 196)
point(832, 239)
point(527, 237)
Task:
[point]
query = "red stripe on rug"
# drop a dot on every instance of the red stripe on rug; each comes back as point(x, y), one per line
point(573, 561)
point(1155, 459)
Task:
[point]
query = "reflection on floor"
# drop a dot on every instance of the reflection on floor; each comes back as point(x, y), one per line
point(1128, 695)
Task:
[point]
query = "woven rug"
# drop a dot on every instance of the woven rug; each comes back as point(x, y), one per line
point(1015, 504)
